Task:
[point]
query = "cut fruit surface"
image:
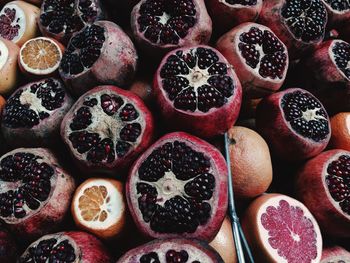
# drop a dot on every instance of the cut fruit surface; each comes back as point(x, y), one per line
point(98, 207)
point(281, 229)
point(8, 65)
point(40, 56)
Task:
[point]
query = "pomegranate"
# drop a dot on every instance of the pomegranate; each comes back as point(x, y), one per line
point(8, 247)
point(106, 129)
point(172, 250)
point(227, 14)
point(281, 229)
point(160, 26)
point(60, 19)
point(335, 255)
point(35, 192)
point(258, 56)
point(100, 53)
point(178, 187)
point(198, 91)
point(323, 185)
point(8, 66)
point(299, 24)
point(338, 11)
point(294, 124)
point(18, 22)
point(67, 247)
point(33, 114)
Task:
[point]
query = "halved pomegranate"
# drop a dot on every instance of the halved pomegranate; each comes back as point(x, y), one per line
point(171, 251)
point(300, 24)
point(100, 53)
point(281, 229)
point(178, 187)
point(258, 56)
point(59, 19)
point(35, 192)
point(66, 247)
point(227, 14)
point(33, 114)
point(160, 26)
point(294, 124)
point(323, 185)
point(198, 91)
point(335, 255)
point(106, 129)
point(338, 11)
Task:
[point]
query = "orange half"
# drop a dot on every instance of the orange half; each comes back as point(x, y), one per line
point(40, 56)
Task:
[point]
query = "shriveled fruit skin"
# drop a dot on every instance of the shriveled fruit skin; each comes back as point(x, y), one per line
point(278, 133)
point(46, 131)
point(52, 214)
point(8, 247)
point(271, 16)
point(253, 83)
point(121, 165)
point(116, 64)
point(312, 190)
point(83, 247)
point(209, 229)
point(335, 254)
point(227, 15)
point(208, 124)
point(200, 33)
point(156, 250)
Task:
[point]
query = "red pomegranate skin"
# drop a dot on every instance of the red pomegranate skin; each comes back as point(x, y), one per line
point(8, 247)
point(116, 65)
point(311, 189)
point(216, 121)
point(122, 164)
point(286, 143)
point(335, 254)
point(210, 229)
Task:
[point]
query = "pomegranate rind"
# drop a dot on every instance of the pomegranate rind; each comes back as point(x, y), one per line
point(8, 66)
point(258, 237)
point(116, 223)
point(226, 16)
point(272, 125)
point(254, 85)
point(118, 166)
point(336, 17)
point(313, 192)
point(87, 247)
point(214, 122)
point(205, 252)
point(116, 64)
point(335, 254)
point(46, 132)
point(220, 195)
point(198, 34)
point(54, 210)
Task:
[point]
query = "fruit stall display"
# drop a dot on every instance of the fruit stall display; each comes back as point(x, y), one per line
point(171, 131)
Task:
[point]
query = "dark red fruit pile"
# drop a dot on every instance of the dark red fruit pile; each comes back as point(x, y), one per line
point(144, 93)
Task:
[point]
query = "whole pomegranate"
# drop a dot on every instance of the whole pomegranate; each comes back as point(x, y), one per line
point(8, 247)
point(323, 185)
point(160, 26)
point(33, 114)
point(299, 24)
point(227, 14)
point(258, 56)
point(335, 254)
point(100, 53)
point(198, 91)
point(172, 250)
point(178, 187)
point(106, 129)
point(60, 19)
point(67, 247)
point(294, 124)
point(35, 192)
